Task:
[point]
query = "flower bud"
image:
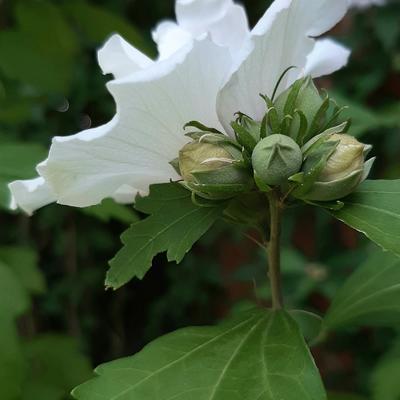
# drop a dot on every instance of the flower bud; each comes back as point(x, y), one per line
point(276, 158)
point(213, 169)
point(302, 96)
point(348, 157)
point(345, 168)
point(201, 157)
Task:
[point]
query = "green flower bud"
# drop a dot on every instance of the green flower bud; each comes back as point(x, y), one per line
point(302, 113)
point(345, 168)
point(275, 159)
point(302, 96)
point(213, 169)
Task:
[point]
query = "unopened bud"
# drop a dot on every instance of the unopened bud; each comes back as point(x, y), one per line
point(276, 158)
point(344, 170)
point(202, 157)
point(347, 158)
point(213, 170)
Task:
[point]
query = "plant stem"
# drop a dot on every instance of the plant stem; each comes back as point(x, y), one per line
point(274, 250)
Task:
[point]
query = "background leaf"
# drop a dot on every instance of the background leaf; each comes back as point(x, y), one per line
point(309, 323)
point(55, 367)
point(362, 118)
point(374, 209)
point(344, 396)
point(97, 24)
point(385, 381)
point(23, 262)
point(259, 355)
point(14, 299)
point(174, 226)
point(13, 366)
point(41, 52)
point(370, 296)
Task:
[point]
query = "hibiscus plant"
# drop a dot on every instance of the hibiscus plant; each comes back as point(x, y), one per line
point(227, 123)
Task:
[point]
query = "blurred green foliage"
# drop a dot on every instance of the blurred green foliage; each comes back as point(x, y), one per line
point(52, 266)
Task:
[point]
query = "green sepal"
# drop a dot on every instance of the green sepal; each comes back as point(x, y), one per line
point(201, 127)
point(327, 191)
point(213, 138)
point(272, 115)
point(297, 178)
point(264, 127)
point(209, 192)
point(205, 203)
point(253, 127)
point(303, 127)
point(244, 137)
point(318, 119)
point(246, 160)
point(226, 175)
point(286, 124)
point(316, 141)
point(196, 193)
point(290, 103)
point(261, 184)
point(334, 119)
point(315, 162)
point(273, 120)
point(302, 97)
point(327, 205)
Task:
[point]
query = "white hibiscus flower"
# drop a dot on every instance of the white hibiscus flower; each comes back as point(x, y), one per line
point(210, 66)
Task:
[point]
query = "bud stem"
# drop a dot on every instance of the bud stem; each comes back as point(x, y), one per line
point(274, 250)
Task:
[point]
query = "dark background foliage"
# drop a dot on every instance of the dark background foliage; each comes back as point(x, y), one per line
point(56, 319)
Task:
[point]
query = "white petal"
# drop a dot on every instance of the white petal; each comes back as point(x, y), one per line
point(135, 148)
point(327, 57)
point(119, 58)
point(224, 21)
point(170, 38)
point(29, 195)
point(125, 194)
point(194, 15)
point(281, 39)
point(311, 17)
point(232, 29)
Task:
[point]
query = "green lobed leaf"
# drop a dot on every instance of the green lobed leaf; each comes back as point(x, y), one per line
point(174, 226)
point(374, 209)
point(259, 355)
point(370, 296)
